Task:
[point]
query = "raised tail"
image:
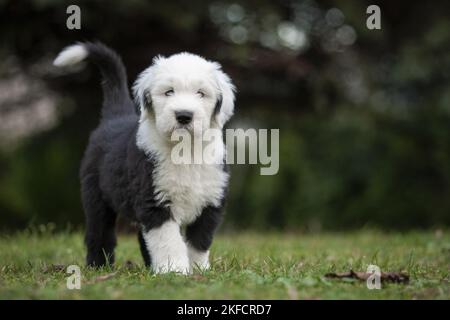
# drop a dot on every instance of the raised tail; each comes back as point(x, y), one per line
point(116, 96)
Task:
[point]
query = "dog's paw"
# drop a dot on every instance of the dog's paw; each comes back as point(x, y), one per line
point(199, 260)
point(202, 266)
point(178, 265)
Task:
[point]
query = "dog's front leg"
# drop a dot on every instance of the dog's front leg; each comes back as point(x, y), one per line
point(165, 245)
point(199, 236)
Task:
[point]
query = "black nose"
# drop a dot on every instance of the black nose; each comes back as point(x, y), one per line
point(183, 117)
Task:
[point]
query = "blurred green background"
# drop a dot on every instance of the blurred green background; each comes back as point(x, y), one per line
point(364, 115)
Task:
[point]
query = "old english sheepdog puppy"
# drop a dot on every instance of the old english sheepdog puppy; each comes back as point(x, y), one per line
point(127, 167)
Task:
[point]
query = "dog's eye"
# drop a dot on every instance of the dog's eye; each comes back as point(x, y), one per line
point(201, 93)
point(169, 92)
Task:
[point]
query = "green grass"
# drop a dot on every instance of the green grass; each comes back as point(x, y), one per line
point(244, 266)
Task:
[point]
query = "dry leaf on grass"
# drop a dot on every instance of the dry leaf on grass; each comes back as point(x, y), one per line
point(397, 277)
point(54, 268)
point(102, 277)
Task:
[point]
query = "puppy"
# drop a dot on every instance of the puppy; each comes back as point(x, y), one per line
point(128, 169)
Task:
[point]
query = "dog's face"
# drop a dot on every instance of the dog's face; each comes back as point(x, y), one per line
point(184, 91)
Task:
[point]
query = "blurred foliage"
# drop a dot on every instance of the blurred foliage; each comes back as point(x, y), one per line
point(364, 115)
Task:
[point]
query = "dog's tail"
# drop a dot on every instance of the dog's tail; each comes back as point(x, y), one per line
point(116, 96)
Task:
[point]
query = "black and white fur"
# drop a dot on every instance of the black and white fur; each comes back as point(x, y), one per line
point(127, 167)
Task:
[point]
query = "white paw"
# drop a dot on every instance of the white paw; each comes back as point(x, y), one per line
point(171, 264)
point(199, 260)
point(200, 266)
point(167, 249)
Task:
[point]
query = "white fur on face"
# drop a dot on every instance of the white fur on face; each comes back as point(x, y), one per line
point(184, 82)
point(167, 248)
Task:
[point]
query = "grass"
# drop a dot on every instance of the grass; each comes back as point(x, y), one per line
point(244, 266)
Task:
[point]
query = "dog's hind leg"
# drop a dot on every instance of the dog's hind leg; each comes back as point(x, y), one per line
point(100, 225)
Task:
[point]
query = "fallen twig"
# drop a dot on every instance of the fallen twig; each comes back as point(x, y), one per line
point(102, 278)
point(397, 277)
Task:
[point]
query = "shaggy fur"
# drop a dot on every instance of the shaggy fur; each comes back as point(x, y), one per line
point(127, 167)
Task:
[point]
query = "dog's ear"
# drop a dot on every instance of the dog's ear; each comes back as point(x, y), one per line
point(147, 100)
point(142, 86)
point(218, 104)
point(225, 99)
point(141, 90)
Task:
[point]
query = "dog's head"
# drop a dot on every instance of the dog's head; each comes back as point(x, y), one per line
point(184, 91)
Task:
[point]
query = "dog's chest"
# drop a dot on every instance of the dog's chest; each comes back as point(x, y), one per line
point(189, 188)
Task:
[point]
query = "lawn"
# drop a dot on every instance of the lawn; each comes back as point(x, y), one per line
point(244, 266)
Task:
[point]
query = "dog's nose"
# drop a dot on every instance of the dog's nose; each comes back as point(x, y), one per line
point(183, 117)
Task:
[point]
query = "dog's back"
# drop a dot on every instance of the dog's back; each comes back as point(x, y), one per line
point(108, 143)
